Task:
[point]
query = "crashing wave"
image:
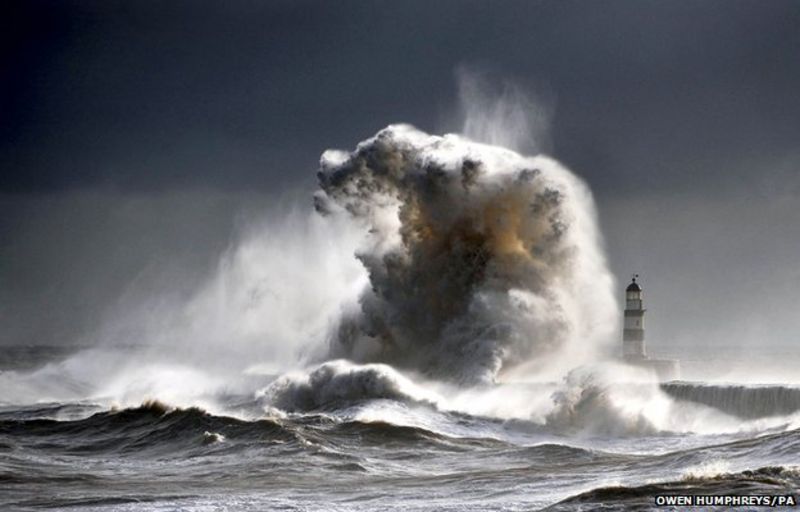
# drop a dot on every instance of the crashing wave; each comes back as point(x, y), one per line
point(338, 383)
point(479, 258)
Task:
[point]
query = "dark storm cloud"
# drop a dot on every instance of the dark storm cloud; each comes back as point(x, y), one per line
point(246, 94)
point(131, 133)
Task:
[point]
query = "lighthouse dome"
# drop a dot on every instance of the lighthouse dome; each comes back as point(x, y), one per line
point(633, 287)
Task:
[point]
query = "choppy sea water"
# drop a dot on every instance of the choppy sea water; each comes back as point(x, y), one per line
point(375, 451)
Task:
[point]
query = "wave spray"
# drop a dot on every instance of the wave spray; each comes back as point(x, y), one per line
point(479, 259)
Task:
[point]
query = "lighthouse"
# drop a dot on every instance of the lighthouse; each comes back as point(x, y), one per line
point(633, 352)
point(633, 332)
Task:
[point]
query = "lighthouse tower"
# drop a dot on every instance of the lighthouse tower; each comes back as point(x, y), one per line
point(633, 333)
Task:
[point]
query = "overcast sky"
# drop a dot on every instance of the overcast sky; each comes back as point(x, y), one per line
point(134, 135)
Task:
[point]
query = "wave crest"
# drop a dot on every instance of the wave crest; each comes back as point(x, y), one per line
point(337, 383)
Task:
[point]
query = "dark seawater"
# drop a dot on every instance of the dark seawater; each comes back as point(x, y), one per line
point(381, 454)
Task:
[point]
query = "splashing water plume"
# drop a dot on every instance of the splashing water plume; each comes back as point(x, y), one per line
point(448, 258)
point(479, 259)
point(499, 112)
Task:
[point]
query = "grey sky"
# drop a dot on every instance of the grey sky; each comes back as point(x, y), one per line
point(684, 117)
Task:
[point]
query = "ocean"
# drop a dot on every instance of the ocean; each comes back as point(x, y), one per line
point(367, 445)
